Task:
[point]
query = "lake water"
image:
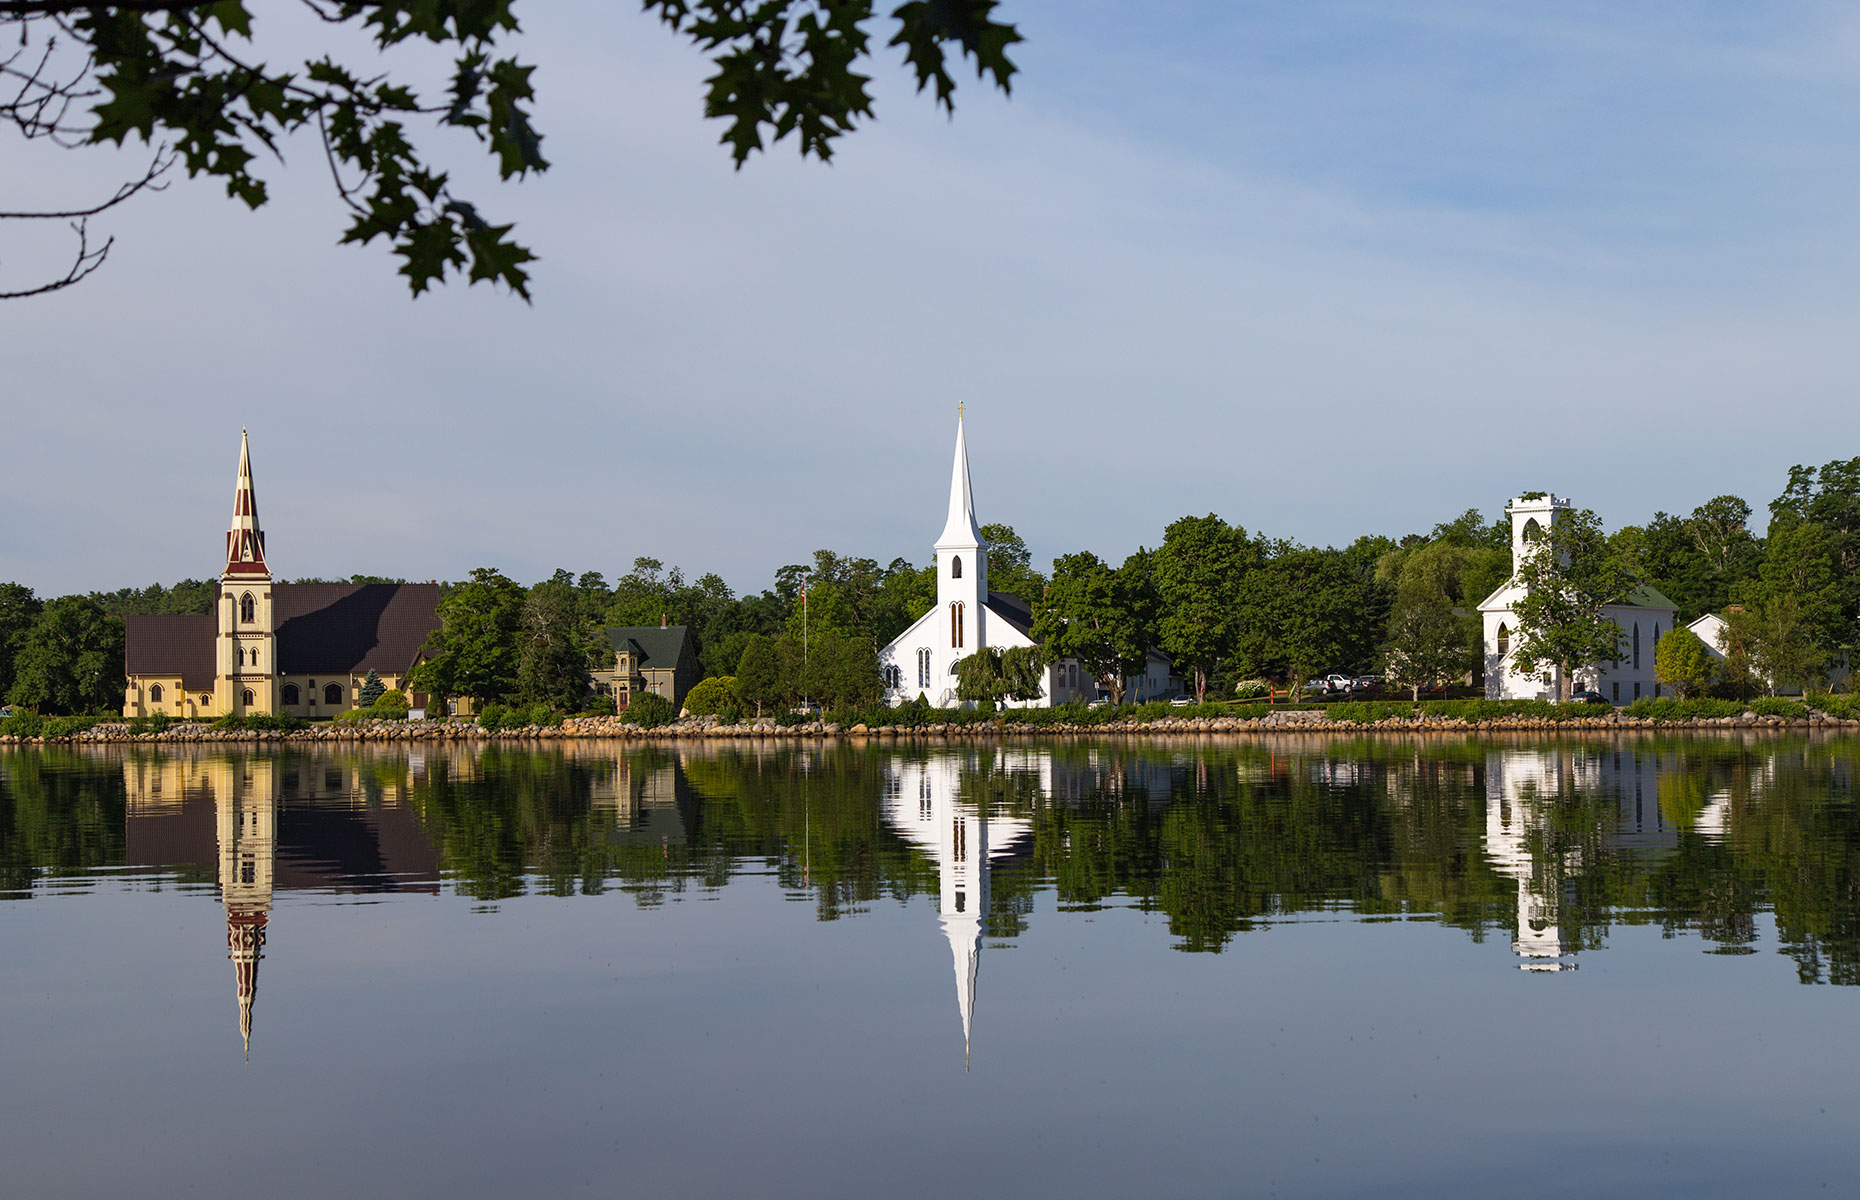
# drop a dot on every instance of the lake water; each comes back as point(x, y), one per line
point(1292, 967)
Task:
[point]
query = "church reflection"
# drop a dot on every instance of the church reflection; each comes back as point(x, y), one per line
point(267, 825)
point(924, 803)
point(1616, 796)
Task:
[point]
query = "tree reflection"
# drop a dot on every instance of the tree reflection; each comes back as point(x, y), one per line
point(1548, 844)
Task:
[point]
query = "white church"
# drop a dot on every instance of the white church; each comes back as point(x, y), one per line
point(1644, 616)
point(969, 617)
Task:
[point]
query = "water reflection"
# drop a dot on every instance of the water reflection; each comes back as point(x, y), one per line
point(1549, 845)
point(925, 803)
point(335, 826)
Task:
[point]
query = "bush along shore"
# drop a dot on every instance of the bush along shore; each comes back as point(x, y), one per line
point(913, 722)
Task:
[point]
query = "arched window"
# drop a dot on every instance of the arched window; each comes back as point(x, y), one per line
point(1637, 645)
point(205, 701)
point(1504, 640)
point(955, 567)
point(332, 693)
point(247, 698)
point(251, 656)
point(923, 667)
point(955, 625)
point(292, 695)
point(1656, 635)
point(248, 609)
point(1532, 531)
point(155, 693)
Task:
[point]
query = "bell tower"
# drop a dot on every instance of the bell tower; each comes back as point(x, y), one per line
point(961, 570)
point(245, 653)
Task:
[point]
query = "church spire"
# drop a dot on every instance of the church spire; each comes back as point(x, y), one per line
point(245, 541)
point(961, 529)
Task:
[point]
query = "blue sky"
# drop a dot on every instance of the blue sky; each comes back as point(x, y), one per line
point(1325, 268)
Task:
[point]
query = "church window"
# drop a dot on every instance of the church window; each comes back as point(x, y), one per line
point(1504, 640)
point(252, 655)
point(292, 695)
point(1532, 531)
point(247, 698)
point(248, 609)
point(955, 625)
point(205, 700)
point(155, 693)
point(1637, 645)
point(923, 667)
point(955, 567)
point(332, 693)
point(960, 841)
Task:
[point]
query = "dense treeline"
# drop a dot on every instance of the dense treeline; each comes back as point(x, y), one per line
point(1227, 605)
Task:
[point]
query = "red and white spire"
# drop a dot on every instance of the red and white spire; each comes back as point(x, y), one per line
point(245, 541)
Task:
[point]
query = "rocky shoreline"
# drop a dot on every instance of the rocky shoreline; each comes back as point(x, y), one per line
point(612, 728)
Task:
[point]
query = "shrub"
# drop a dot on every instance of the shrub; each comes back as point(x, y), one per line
point(1846, 707)
point(492, 717)
point(259, 721)
point(392, 704)
point(649, 711)
point(1777, 706)
point(1667, 708)
point(1252, 689)
point(602, 706)
point(710, 697)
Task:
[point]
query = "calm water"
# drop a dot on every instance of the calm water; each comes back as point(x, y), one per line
point(1505, 967)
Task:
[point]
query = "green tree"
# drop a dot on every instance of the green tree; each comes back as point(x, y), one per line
point(475, 650)
point(759, 677)
point(1568, 573)
point(992, 675)
point(1299, 615)
point(70, 660)
point(189, 76)
point(1683, 662)
point(1429, 644)
point(555, 647)
point(1102, 617)
point(1010, 565)
point(372, 689)
point(1786, 652)
point(1199, 571)
point(1801, 563)
point(19, 608)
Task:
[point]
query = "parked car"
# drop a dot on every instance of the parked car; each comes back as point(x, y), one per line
point(1182, 701)
point(1587, 697)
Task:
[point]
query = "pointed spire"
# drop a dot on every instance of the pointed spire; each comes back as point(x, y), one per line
point(245, 541)
point(961, 530)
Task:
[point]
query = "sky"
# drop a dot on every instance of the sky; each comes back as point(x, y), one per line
point(1326, 269)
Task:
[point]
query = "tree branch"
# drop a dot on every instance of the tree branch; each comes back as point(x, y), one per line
point(87, 260)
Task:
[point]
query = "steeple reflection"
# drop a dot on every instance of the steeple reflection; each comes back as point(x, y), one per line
point(271, 824)
point(924, 803)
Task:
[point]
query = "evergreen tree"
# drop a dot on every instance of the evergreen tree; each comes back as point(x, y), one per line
point(372, 688)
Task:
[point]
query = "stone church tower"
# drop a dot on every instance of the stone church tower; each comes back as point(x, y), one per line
point(246, 651)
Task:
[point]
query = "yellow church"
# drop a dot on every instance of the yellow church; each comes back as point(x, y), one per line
point(302, 649)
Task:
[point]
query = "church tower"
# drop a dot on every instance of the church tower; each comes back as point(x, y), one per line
point(245, 652)
point(961, 567)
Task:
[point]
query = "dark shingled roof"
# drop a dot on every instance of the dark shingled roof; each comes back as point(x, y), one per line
point(657, 646)
point(332, 628)
point(170, 645)
point(1013, 610)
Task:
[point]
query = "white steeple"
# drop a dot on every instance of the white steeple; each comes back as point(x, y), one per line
point(961, 570)
point(960, 532)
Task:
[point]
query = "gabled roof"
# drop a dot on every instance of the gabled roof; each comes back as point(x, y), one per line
point(656, 645)
point(1647, 596)
point(338, 628)
point(170, 645)
point(1014, 611)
